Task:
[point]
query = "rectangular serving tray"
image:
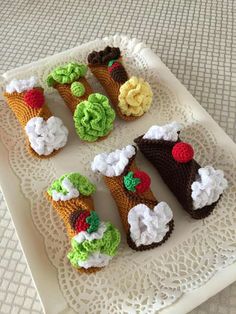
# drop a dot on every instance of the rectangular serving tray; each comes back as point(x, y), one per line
point(44, 274)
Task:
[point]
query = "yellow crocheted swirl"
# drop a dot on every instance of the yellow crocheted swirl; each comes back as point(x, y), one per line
point(135, 97)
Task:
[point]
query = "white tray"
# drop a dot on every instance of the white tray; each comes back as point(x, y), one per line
point(194, 264)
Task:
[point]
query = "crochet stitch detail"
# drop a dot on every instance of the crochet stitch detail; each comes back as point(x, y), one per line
point(108, 245)
point(81, 183)
point(77, 89)
point(117, 72)
point(93, 221)
point(135, 97)
point(102, 57)
point(67, 73)
point(34, 98)
point(182, 152)
point(130, 182)
point(94, 118)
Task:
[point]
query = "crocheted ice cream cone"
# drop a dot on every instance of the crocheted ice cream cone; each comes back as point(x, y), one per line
point(131, 97)
point(146, 222)
point(93, 115)
point(197, 189)
point(45, 133)
point(93, 242)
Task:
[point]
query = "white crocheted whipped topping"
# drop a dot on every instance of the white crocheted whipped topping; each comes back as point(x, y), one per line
point(95, 259)
point(84, 235)
point(208, 187)
point(167, 132)
point(21, 85)
point(71, 191)
point(114, 163)
point(149, 226)
point(46, 136)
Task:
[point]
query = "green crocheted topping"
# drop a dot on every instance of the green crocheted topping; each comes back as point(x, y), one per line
point(77, 89)
point(81, 183)
point(111, 62)
point(94, 221)
point(94, 118)
point(130, 182)
point(67, 73)
point(108, 245)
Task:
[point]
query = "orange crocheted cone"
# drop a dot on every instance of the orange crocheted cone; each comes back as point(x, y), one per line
point(64, 209)
point(71, 100)
point(126, 200)
point(24, 113)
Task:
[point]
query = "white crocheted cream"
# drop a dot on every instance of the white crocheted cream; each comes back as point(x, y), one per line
point(114, 163)
point(95, 259)
point(84, 235)
point(21, 85)
point(167, 132)
point(149, 226)
point(71, 191)
point(46, 136)
point(208, 187)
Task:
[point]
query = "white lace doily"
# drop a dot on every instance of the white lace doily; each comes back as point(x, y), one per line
point(134, 282)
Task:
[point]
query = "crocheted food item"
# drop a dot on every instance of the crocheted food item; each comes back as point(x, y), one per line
point(69, 80)
point(93, 242)
point(197, 189)
point(132, 97)
point(135, 97)
point(45, 133)
point(94, 118)
point(147, 223)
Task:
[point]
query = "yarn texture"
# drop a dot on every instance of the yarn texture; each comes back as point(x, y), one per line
point(182, 152)
point(67, 73)
point(20, 86)
point(94, 118)
point(46, 136)
point(79, 182)
point(34, 98)
point(77, 89)
point(135, 97)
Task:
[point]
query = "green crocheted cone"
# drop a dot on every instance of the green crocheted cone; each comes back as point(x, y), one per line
point(108, 245)
point(94, 118)
point(81, 183)
point(66, 74)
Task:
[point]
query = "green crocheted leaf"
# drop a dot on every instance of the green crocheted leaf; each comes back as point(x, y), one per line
point(130, 182)
point(94, 118)
point(107, 245)
point(81, 183)
point(93, 221)
point(67, 73)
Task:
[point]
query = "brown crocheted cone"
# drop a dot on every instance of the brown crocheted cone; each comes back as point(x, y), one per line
point(125, 200)
point(111, 87)
point(71, 100)
point(24, 113)
point(178, 176)
point(64, 209)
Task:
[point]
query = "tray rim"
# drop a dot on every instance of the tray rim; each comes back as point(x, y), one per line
point(187, 301)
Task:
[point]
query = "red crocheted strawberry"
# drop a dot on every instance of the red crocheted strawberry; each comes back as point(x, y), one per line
point(182, 152)
point(34, 98)
point(138, 181)
point(117, 71)
point(81, 224)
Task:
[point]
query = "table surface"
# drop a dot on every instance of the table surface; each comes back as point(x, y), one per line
point(193, 38)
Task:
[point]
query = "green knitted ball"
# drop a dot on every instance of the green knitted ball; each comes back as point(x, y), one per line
point(77, 89)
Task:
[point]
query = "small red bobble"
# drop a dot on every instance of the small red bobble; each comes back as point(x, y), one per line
point(145, 183)
point(81, 224)
point(34, 98)
point(114, 66)
point(182, 152)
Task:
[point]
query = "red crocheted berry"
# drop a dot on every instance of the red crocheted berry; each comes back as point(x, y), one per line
point(114, 66)
point(34, 98)
point(182, 152)
point(145, 183)
point(81, 224)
